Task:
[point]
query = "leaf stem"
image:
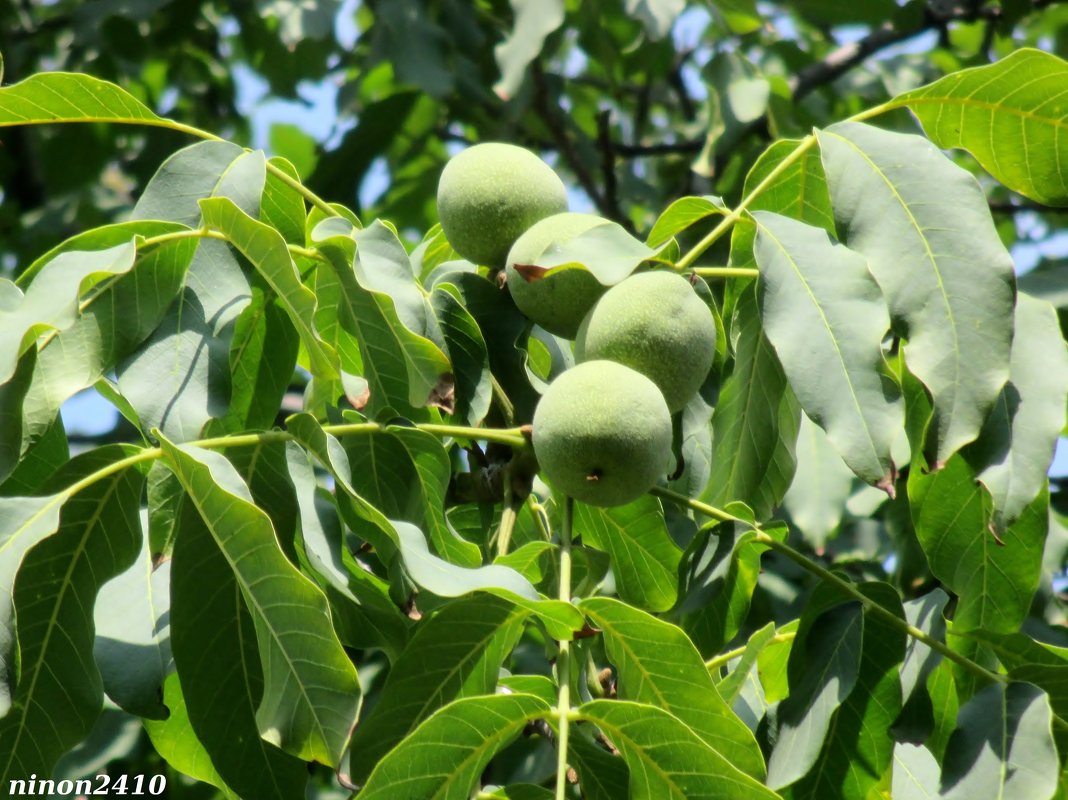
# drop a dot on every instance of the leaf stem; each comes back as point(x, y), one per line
point(726, 272)
point(725, 224)
point(845, 586)
point(563, 660)
point(300, 188)
point(508, 515)
point(723, 658)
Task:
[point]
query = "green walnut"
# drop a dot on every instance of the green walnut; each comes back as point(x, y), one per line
point(602, 434)
point(489, 194)
point(653, 322)
point(557, 302)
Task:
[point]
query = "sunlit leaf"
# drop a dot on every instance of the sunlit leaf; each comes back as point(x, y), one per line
point(443, 757)
point(455, 653)
point(667, 759)
point(1010, 115)
point(658, 665)
point(924, 226)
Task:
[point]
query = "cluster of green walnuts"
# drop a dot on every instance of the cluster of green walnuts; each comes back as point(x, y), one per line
point(602, 431)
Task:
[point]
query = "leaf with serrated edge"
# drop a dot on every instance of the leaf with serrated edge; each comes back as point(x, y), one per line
point(1010, 115)
point(443, 758)
point(657, 664)
point(311, 693)
point(824, 314)
point(924, 225)
point(667, 759)
point(457, 652)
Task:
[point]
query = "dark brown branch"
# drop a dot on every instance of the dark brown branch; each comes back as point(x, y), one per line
point(608, 169)
point(558, 130)
point(1014, 208)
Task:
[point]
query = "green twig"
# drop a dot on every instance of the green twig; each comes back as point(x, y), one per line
point(735, 215)
point(563, 660)
point(845, 586)
point(724, 658)
point(726, 272)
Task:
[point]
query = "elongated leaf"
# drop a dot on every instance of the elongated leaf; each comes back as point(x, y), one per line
point(730, 686)
point(827, 656)
point(443, 757)
point(916, 773)
point(755, 424)
point(24, 521)
point(112, 323)
point(1015, 447)
point(995, 575)
point(645, 560)
point(667, 759)
point(799, 191)
point(282, 207)
point(1010, 115)
point(404, 472)
point(364, 615)
point(821, 485)
point(1003, 746)
point(59, 696)
point(924, 226)
point(402, 367)
point(720, 572)
point(180, 378)
point(133, 637)
point(382, 265)
point(449, 580)
point(263, 356)
point(266, 250)
point(215, 648)
point(69, 97)
point(658, 665)
point(468, 353)
point(606, 250)
point(601, 776)
point(926, 614)
point(858, 750)
point(824, 314)
point(12, 395)
point(681, 214)
point(310, 689)
point(455, 653)
point(51, 302)
point(176, 741)
point(534, 21)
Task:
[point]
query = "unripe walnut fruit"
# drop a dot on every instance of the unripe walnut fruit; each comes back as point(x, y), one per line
point(602, 434)
point(653, 322)
point(489, 194)
point(557, 302)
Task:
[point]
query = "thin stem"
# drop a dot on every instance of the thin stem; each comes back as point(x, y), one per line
point(563, 660)
point(505, 403)
point(725, 224)
point(725, 658)
point(509, 513)
point(300, 188)
point(726, 272)
point(845, 586)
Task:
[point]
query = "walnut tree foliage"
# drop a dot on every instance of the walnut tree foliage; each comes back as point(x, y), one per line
point(315, 558)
